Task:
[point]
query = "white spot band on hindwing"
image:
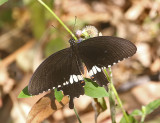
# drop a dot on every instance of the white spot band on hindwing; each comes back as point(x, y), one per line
point(98, 69)
point(90, 72)
point(94, 70)
point(75, 78)
point(72, 79)
point(80, 77)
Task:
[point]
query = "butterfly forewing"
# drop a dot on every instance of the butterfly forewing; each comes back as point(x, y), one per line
point(56, 72)
point(103, 51)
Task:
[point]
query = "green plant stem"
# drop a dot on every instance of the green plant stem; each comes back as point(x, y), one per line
point(142, 118)
point(58, 19)
point(112, 104)
point(117, 97)
point(119, 102)
point(144, 114)
point(116, 94)
point(77, 115)
point(111, 99)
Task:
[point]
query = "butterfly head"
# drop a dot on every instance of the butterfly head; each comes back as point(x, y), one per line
point(72, 42)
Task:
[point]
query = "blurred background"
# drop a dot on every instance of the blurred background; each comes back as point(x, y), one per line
point(29, 33)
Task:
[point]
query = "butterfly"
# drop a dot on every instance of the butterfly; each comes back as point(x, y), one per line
point(64, 69)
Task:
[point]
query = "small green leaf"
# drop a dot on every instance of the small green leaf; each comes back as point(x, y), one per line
point(144, 109)
point(137, 113)
point(24, 93)
point(58, 95)
point(93, 90)
point(99, 105)
point(130, 118)
point(152, 106)
point(102, 103)
point(2, 2)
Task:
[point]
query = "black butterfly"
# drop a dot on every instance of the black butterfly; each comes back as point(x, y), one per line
point(63, 70)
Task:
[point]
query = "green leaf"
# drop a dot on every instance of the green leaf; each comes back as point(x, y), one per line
point(2, 2)
point(58, 95)
point(137, 113)
point(99, 106)
point(93, 90)
point(152, 106)
point(130, 118)
point(24, 93)
point(102, 103)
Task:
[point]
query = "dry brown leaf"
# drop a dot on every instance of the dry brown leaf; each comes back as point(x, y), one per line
point(44, 107)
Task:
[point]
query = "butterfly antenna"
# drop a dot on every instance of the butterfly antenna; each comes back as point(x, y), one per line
point(59, 31)
point(54, 26)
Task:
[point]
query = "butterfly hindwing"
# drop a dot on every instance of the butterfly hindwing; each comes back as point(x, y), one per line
point(96, 74)
point(60, 70)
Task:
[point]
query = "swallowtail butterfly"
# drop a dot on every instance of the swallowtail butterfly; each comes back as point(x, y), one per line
point(63, 70)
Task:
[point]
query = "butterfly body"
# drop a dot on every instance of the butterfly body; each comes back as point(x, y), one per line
point(63, 70)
